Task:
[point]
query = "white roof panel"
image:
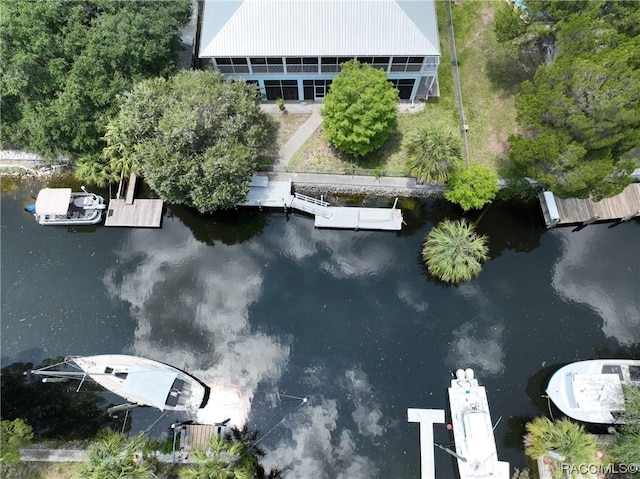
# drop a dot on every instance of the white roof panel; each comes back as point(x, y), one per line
point(319, 28)
point(53, 201)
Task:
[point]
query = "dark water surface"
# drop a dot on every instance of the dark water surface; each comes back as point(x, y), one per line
point(263, 306)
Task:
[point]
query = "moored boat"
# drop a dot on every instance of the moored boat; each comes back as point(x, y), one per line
point(591, 391)
point(61, 206)
point(141, 381)
point(475, 443)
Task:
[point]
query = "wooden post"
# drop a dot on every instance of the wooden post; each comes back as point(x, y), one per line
point(591, 220)
point(553, 223)
point(628, 217)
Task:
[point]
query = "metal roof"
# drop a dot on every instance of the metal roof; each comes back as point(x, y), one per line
point(241, 28)
point(53, 201)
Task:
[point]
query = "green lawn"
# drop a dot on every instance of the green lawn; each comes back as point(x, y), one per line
point(487, 92)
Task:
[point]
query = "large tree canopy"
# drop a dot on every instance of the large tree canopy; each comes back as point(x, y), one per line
point(359, 112)
point(195, 137)
point(64, 63)
point(581, 111)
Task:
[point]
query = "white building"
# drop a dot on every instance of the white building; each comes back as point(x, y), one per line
point(292, 49)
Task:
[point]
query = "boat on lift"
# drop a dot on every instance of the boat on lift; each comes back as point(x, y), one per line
point(592, 391)
point(61, 206)
point(141, 381)
point(475, 442)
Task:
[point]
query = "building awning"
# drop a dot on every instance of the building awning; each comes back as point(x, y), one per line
point(53, 201)
point(298, 28)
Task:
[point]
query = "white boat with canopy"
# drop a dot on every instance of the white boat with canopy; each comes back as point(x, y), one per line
point(141, 381)
point(476, 452)
point(592, 391)
point(61, 206)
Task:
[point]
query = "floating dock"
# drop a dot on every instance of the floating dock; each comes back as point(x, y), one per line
point(573, 211)
point(263, 192)
point(427, 418)
point(140, 213)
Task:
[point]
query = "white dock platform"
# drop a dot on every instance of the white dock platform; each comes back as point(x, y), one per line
point(427, 418)
point(263, 192)
point(352, 217)
point(271, 194)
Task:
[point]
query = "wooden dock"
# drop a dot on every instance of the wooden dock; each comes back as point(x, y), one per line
point(573, 211)
point(196, 436)
point(135, 213)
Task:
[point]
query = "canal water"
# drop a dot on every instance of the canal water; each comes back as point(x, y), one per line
point(268, 310)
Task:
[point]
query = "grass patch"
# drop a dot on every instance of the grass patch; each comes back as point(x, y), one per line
point(488, 89)
point(43, 470)
point(288, 124)
point(282, 126)
point(318, 155)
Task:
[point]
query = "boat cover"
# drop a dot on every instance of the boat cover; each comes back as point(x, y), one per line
point(149, 387)
point(597, 391)
point(53, 201)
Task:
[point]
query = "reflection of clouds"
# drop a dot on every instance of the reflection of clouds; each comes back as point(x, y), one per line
point(595, 283)
point(317, 449)
point(470, 348)
point(347, 257)
point(191, 304)
point(368, 412)
point(411, 298)
point(473, 292)
point(477, 344)
point(191, 308)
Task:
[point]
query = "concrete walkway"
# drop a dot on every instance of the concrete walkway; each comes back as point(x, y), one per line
point(385, 185)
point(298, 139)
point(53, 455)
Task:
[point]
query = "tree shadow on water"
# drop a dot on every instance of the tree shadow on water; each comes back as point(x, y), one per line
point(229, 227)
point(54, 410)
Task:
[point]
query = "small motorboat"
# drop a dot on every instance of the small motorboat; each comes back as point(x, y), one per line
point(61, 206)
point(591, 391)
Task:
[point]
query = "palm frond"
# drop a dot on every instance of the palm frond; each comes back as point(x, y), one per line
point(454, 252)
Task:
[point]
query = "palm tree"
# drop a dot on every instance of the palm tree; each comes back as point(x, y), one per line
point(433, 154)
point(563, 437)
point(221, 459)
point(113, 456)
point(94, 170)
point(454, 252)
point(118, 152)
point(624, 449)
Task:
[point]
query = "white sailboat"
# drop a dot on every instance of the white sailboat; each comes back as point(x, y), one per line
point(141, 381)
point(591, 391)
point(476, 452)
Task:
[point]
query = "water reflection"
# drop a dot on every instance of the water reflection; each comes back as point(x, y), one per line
point(229, 227)
point(191, 309)
point(343, 317)
point(577, 276)
point(54, 410)
point(318, 447)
